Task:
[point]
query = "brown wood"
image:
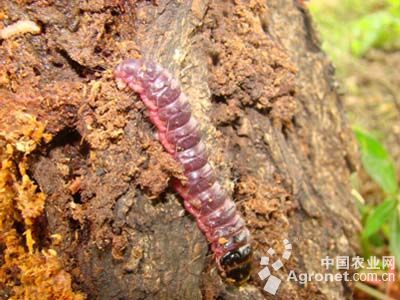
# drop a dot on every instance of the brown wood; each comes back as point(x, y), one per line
point(266, 98)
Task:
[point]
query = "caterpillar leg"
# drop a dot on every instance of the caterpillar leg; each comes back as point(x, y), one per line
point(163, 140)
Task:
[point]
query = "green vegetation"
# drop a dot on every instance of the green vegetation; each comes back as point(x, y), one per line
point(384, 217)
point(380, 29)
point(361, 38)
point(349, 29)
point(352, 27)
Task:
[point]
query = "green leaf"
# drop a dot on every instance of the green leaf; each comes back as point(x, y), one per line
point(376, 240)
point(379, 216)
point(380, 30)
point(395, 238)
point(394, 7)
point(377, 162)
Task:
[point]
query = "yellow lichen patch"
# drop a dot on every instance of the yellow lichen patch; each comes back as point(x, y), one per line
point(29, 240)
point(27, 272)
point(7, 177)
point(28, 201)
point(23, 138)
point(26, 133)
point(41, 275)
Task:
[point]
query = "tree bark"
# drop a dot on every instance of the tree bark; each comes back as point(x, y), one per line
point(266, 99)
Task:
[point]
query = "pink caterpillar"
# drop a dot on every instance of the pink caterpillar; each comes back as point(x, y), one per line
point(204, 198)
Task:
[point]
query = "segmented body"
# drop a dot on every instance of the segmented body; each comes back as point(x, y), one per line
point(204, 198)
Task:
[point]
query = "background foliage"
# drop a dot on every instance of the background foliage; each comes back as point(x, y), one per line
point(362, 38)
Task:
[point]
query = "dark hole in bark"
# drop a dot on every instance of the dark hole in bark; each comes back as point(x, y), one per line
point(81, 70)
point(77, 198)
point(71, 136)
point(218, 99)
point(214, 58)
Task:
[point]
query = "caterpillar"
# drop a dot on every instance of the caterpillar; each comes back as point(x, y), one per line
point(204, 198)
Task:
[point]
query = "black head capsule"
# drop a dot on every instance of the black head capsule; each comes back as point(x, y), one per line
point(237, 264)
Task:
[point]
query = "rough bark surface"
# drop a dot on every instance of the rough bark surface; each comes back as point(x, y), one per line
point(265, 96)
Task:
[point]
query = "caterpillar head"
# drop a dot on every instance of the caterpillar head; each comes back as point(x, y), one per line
point(237, 264)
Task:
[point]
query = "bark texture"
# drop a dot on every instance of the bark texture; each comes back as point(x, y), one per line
point(265, 96)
